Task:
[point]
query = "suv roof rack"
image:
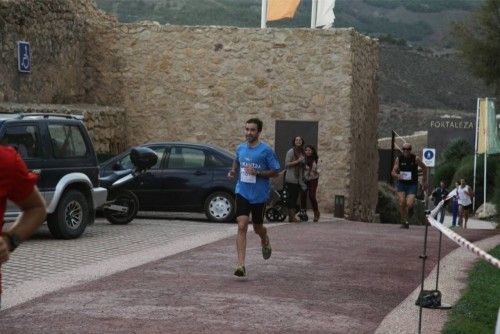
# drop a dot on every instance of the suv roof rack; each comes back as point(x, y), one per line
point(47, 115)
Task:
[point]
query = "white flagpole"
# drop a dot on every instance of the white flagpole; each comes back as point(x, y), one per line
point(314, 13)
point(485, 154)
point(475, 157)
point(263, 17)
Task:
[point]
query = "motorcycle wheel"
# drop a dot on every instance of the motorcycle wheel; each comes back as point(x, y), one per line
point(125, 198)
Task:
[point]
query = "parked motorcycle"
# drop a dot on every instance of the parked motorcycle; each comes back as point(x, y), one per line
point(122, 205)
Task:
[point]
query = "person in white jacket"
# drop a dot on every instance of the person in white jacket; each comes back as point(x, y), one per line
point(465, 195)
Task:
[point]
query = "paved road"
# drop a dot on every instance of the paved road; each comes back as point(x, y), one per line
point(331, 277)
point(44, 264)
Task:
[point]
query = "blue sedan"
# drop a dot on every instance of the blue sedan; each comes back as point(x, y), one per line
point(187, 177)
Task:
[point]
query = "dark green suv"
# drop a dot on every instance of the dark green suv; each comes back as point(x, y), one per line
point(58, 149)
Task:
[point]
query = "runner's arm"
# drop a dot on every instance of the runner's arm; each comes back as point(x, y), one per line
point(234, 168)
point(32, 216)
point(395, 169)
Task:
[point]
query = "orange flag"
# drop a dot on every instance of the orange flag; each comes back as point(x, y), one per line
point(281, 9)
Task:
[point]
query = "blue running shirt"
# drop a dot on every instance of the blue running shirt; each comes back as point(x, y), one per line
point(255, 189)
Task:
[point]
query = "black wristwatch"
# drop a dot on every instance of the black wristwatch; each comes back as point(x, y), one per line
point(14, 241)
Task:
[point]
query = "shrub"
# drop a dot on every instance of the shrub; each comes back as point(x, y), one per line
point(418, 216)
point(496, 194)
point(388, 204)
point(456, 151)
point(444, 171)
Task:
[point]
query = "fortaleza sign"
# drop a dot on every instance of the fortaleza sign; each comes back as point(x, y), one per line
point(452, 124)
point(442, 131)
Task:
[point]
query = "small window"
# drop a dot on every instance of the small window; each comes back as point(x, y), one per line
point(186, 157)
point(67, 141)
point(24, 139)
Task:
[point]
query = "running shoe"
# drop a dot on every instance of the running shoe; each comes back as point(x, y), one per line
point(240, 271)
point(266, 249)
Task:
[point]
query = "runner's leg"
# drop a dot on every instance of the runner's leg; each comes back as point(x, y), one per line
point(241, 239)
point(242, 218)
point(258, 211)
point(402, 206)
point(410, 203)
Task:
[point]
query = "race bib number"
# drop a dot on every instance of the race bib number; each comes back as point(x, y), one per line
point(247, 178)
point(406, 176)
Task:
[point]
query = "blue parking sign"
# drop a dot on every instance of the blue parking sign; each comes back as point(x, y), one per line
point(23, 57)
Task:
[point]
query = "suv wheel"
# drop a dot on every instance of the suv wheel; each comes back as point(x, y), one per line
point(219, 207)
point(71, 216)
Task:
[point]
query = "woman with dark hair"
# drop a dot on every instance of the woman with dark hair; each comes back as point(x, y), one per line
point(311, 175)
point(294, 178)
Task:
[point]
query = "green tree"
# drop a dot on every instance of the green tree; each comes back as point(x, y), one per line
point(479, 40)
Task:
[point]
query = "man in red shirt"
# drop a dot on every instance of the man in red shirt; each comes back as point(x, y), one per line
point(18, 185)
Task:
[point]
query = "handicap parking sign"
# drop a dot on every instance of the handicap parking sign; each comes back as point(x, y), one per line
point(429, 157)
point(23, 57)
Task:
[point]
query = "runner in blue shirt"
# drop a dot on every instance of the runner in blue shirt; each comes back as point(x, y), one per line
point(255, 163)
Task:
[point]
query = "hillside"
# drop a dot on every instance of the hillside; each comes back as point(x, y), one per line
point(416, 86)
point(416, 82)
point(420, 22)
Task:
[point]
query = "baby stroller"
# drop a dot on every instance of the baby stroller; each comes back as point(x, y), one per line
point(277, 207)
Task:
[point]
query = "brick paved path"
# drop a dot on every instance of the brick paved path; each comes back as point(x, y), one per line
point(341, 277)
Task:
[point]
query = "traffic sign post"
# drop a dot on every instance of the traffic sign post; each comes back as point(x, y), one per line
point(429, 157)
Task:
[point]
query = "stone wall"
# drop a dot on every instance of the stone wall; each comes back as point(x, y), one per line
point(104, 124)
point(363, 170)
point(56, 33)
point(201, 83)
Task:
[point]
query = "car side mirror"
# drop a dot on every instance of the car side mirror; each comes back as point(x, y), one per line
point(143, 158)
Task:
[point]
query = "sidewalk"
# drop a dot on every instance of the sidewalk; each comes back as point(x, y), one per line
point(330, 277)
point(472, 223)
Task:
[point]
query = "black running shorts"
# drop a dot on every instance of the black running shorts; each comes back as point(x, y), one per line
point(244, 208)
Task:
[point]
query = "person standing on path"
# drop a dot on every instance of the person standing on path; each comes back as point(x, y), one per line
point(311, 175)
point(294, 178)
point(454, 206)
point(254, 164)
point(465, 195)
point(18, 185)
point(438, 195)
point(405, 170)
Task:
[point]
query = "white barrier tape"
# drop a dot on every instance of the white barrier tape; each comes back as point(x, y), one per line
point(435, 211)
point(461, 241)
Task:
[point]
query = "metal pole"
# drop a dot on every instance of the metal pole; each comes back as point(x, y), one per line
point(423, 257)
point(393, 138)
point(426, 197)
point(485, 155)
point(439, 260)
point(263, 17)
point(475, 156)
point(314, 13)
point(484, 182)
